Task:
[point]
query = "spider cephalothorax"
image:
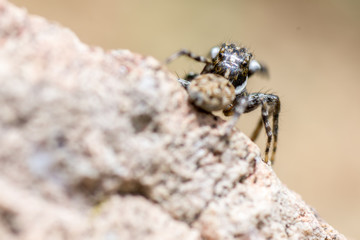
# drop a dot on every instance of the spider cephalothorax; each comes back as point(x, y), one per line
point(231, 62)
point(221, 85)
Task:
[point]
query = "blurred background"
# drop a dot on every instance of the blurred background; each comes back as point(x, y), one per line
point(312, 49)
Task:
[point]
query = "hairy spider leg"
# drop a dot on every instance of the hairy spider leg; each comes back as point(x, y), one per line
point(185, 52)
point(265, 117)
point(270, 103)
point(245, 104)
point(257, 130)
point(274, 111)
point(275, 125)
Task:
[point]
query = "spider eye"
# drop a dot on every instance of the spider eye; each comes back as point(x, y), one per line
point(254, 66)
point(244, 63)
point(214, 52)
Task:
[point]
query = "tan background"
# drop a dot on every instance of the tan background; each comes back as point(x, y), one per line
point(312, 49)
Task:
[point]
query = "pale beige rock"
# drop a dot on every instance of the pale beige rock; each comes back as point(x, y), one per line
point(104, 145)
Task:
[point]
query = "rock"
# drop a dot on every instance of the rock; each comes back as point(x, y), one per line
point(105, 145)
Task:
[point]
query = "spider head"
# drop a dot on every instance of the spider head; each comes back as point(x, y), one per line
point(232, 62)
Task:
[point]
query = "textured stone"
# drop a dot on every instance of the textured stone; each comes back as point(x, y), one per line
point(105, 145)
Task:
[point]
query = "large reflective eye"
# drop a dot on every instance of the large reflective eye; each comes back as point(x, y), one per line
point(254, 66)
point(214, 52)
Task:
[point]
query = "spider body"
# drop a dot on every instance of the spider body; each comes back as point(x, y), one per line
point(221, 85)
point(231, 62)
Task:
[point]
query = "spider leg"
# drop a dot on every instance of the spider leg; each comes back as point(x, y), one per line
point(257, 130)
point(275, 125)
point(265, 118)
point(269, 103)
point(185, 52)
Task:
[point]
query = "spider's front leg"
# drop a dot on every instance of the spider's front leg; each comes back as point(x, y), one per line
point(185, 52)
point(190, 76)
point(269, 103)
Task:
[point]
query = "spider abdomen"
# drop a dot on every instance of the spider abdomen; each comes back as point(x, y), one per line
point(211, 92)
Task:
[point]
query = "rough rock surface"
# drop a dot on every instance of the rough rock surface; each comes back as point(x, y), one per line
point(104, 145)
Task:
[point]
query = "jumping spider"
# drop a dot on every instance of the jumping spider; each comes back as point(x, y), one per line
point(222, 86)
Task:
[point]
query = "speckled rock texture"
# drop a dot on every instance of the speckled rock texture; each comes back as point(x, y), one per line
point(105, 145)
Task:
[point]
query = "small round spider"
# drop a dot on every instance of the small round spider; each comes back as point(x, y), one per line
point(221, 85)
